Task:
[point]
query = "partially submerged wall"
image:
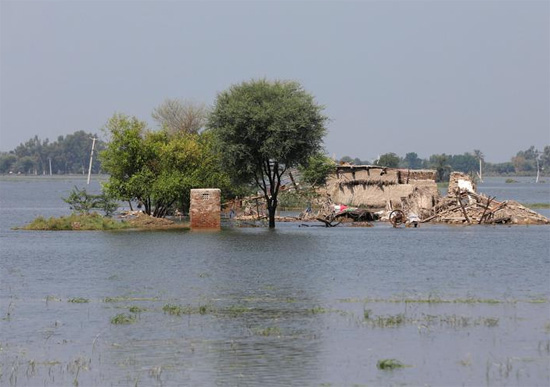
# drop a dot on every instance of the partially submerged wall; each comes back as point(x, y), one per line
point(382, 188)
point(205, 209)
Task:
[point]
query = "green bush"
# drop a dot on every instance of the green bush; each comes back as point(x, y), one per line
point(82, 202)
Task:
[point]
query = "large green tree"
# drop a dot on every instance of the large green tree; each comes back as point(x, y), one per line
point(264, 128)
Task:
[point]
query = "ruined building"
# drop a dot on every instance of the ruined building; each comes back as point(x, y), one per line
point(380, 188)
point(205, 209)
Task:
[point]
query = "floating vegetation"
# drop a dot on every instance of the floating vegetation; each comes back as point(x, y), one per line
point(318, 309)
point(78, 300)
point(538, 301)
point(388, 321)
point(52, 298)
point(204, 309)
point(269, 331)
point(511, 181)
point(455, 321)
point(432, 300)
point(129, 299)
point(136, 309)
point(122, 318)
point(237, 310)
point(366, 314)
point(175, 310)
point(389, 364)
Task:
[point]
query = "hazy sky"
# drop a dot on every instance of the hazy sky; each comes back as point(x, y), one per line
point(395, 76)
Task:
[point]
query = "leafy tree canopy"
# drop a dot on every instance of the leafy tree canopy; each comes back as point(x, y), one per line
point(264, 128)
point(159, 169)
point(389, 160)
point(317, 170)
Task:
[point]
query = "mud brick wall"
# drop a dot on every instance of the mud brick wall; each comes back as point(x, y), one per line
point(407, 176)
point(205, 208)
point(377, 187)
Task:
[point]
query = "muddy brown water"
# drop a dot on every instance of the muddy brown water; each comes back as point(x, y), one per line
point(291, 306)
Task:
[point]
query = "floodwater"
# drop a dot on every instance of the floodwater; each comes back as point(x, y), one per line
point(457, 305)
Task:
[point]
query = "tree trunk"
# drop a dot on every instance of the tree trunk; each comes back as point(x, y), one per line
point(271, 211)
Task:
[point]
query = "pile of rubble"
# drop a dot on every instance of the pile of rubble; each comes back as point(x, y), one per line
point(463, 205)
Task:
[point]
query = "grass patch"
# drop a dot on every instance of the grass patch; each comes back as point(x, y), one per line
point(78, 300)
point(511, 181)
point(389, 364)
point(93, 221)
point(136, 309)
point(121, 319)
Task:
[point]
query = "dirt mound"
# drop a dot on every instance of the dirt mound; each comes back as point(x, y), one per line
point(142, 220)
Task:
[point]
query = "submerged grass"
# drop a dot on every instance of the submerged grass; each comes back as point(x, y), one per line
point(388, 321)
point(175, 310)
point(389, 364)
point(178, 310)
point(136, 309)
point(128, 299)
point(78, 300)
point(93, 221)
point(269, 331)
point(122, 318)
point(431, 300)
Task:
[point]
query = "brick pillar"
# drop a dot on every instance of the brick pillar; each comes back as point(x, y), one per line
point(205, 209)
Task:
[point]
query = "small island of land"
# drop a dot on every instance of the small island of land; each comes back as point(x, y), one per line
point(97, 222)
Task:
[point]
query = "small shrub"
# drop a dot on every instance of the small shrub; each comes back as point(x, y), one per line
point(82, 202)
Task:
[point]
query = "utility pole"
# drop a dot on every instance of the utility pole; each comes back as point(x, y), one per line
point(480, 172)
point(50, 160)
point(91, 158)
point(538, 167)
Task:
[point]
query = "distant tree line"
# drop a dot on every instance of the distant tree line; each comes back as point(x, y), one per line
point(523, 163)
point(69, 154)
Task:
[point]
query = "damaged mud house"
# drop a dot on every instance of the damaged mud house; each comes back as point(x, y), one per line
point(370, 192)
point(414, 193)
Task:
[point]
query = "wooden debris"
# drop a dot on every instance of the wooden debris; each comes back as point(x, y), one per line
point(463, 205)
